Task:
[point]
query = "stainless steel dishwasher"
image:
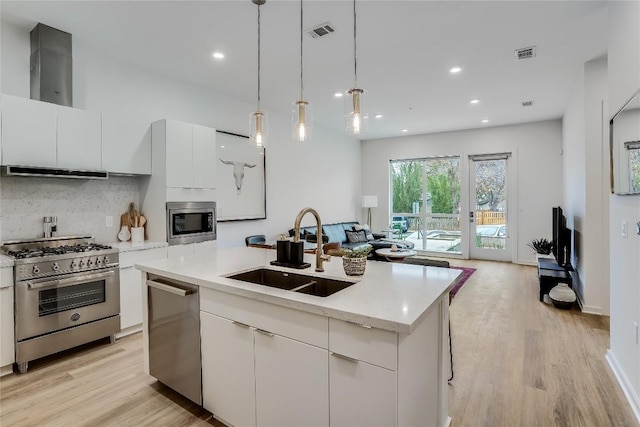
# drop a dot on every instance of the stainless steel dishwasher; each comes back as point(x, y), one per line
point(174, 336)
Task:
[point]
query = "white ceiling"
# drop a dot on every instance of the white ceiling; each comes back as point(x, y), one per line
point(405, 49)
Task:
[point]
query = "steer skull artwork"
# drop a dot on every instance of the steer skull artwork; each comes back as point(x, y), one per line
point(238, 172)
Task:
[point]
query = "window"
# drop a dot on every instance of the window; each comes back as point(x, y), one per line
point(425, 196)
point(634, 165)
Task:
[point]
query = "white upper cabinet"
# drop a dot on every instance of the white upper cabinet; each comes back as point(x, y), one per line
point(179, 139)
point(204, 157)
point(191, 155)
point(126, 145)
point(28, 132)
point(41, 134)
point(79, 139)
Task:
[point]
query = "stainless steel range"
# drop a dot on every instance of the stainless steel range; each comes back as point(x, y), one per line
point(67, 293)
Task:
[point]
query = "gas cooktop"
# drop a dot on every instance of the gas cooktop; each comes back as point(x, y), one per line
point(56, 250)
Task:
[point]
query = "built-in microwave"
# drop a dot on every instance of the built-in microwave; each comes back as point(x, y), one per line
point(190, 222)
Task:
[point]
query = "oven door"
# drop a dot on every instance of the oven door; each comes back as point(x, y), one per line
point(50, 304)
point(190, 222)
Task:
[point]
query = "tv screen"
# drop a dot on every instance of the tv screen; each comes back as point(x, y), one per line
point(561, 238)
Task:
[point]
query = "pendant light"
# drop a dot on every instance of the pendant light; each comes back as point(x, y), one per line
point(356, 120)
point(258, 119)
point(302, 117)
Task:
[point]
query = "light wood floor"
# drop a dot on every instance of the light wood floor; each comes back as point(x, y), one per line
point(518, 362)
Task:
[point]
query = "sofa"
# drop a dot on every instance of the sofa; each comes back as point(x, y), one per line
point(349, 237)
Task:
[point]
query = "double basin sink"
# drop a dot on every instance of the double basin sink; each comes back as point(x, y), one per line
point(311, 285)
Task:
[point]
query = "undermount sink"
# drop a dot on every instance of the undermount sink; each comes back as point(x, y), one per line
point(311, 285)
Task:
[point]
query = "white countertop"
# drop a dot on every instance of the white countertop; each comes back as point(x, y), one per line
point(5, 261)
point(390, 296)
point(138, 246)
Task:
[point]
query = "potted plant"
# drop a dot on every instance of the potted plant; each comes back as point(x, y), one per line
point(354, 261)
point(542, 248)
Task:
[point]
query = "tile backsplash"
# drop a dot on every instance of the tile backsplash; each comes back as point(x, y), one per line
point(80, 205)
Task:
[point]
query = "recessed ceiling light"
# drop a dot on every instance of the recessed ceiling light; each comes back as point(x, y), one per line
point(378, 116)
point(485, 121)
point(455, 70)
point(218, 55)
point(338, 94)
point(405, 130)
point(474, 101)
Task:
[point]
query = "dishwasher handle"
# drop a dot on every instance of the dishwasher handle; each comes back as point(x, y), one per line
point(171, 289)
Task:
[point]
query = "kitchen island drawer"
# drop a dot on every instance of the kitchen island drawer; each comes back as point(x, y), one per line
point(362, 342)
point(295, 324)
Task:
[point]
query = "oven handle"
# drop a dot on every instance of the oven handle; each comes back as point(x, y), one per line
point(171, 289)
point(70, 281)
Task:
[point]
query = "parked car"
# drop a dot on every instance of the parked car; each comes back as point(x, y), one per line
point(402, 221)
point(497, 230)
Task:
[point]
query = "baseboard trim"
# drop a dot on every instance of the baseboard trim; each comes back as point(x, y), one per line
point(6, 370)
point(129, 331)
point(628, 391)
point(588, 309)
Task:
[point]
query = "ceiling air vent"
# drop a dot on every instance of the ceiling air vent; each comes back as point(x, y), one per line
point(321, 30)
point(527, 103)
point(525, 53)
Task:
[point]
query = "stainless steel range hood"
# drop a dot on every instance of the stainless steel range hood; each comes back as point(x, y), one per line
point(51, 65)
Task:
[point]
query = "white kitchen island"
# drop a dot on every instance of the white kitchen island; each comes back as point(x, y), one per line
point(375, 353)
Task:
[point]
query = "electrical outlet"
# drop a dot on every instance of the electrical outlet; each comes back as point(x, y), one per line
point(624, 229)
point(109, 221)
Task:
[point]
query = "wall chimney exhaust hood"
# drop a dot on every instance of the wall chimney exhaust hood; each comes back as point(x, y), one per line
point(51, 66)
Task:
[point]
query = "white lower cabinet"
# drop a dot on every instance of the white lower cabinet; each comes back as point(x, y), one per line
point(228, 376)
point(7, 343)
point(292, 382)
point(130, 297)
point(253, 375)
point(268, 365)
point(131, 288)
point(361, 394)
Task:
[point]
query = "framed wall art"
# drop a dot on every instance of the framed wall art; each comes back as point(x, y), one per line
point(240, 178)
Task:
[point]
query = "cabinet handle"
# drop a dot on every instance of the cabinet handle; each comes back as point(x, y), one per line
point(343, 357)
point(244, 325)
point(362, 325)
point(262, 331)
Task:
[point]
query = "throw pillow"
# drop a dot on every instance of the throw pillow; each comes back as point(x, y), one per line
point(367, 230)
point(356, 236)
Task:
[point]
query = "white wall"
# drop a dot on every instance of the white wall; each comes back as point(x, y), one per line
point(324, 174)
point(536, 160)
point(624, 79)
point(586, 172)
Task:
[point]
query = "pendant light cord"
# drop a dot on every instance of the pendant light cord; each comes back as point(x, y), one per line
point(301, 52)
point(355, 46)
point(258, 57)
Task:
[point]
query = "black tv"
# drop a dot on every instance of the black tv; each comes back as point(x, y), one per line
point(561, 238)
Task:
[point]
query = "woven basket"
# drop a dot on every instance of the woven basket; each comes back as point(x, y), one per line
point(354, 266)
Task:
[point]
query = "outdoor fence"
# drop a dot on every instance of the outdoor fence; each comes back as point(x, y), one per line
point(490, 218)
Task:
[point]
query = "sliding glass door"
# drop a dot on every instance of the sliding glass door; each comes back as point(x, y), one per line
point(425, 196)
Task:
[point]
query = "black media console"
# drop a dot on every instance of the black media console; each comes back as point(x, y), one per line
point(550, 274)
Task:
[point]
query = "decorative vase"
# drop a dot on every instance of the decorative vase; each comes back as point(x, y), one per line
point(562, 296)
point(354, 266)
point(124, 234)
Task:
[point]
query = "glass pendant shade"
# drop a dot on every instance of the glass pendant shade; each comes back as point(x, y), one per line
point(259, 129)
point(355, 118)
point(302, 121)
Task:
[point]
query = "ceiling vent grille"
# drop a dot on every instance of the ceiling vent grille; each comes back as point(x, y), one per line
point(525, 53)
point(527, 103)
point(321, 30)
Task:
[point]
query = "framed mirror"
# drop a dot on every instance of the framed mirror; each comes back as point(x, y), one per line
point(624, 147)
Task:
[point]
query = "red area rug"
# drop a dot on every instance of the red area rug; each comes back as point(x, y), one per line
point(466, 273)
